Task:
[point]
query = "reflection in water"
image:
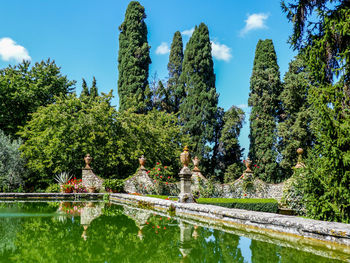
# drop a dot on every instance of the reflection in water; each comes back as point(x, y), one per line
point(99, 232)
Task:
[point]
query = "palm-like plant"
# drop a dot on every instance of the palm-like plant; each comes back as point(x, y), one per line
point(63, 178)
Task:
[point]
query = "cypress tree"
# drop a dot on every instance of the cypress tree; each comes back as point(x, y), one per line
point(85, 90)
point(265, 88)
point(199, 108)
point(175, 91)
point(93, 90)
point(294, 128)
point(134, 60)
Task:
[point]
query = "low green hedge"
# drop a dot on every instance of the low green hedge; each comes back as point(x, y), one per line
point(262, 205)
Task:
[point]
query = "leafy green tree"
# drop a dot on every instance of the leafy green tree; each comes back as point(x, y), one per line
point(134, 60)
point(326, 44)
point(294, 129)
point(23, 89)
point(85, 89)
point(12, 171)
point(230, 152)
point(60, 134)
point(199, 107)
point(174, 89)
point(265, 88)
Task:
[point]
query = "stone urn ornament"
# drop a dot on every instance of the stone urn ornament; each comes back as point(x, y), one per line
point(142, 161)
point(185, 157)
point(87, 160)
point(248, 164)
point(300, 163)
point(196, 162)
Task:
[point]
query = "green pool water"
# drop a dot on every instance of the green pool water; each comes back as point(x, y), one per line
point(103, 232)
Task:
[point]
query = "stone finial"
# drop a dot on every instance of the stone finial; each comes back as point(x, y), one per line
point(196, 163)
point(87, 160)
point(185, 157)
point(142, 161)
point(248, 164)
point(300, 163)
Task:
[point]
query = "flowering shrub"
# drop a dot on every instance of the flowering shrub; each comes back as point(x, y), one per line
point(74, 185)
point(162, 177)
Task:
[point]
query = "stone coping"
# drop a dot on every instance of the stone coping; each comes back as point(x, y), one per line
point(320, 231)
point(50, 195)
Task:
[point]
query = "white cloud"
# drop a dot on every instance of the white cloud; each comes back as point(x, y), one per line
point(188, 32)
point(9, 50)
point(220, 51)
point(254, 21)
point(162, 49)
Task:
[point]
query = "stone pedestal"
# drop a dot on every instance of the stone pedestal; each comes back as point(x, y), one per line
point(185, 195)
point(91, 180)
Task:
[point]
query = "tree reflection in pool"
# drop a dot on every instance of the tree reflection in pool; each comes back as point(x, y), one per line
point(102, 232)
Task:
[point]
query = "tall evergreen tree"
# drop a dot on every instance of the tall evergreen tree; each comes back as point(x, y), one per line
point(326, 44)
point(174, 89)
point(199, 108)
point(265, 88)
point(294, 128)
point(93, 90)
point(134, 60)
point(85, 89)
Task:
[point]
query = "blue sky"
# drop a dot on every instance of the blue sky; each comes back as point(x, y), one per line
point(82, 37)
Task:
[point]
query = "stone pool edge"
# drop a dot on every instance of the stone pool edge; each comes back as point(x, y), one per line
point(306, 228)
point(16, 196)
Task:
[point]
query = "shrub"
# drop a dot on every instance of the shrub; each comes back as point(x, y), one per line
point(53, 188)
point(74, 185)
point(12, 169)
point(162, 178)
point(114, 185)
point(262, 205)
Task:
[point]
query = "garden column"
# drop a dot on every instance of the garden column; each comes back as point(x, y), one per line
point(185, 175)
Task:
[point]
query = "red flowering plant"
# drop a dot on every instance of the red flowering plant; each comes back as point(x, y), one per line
point(162, 176)
point(74, 185)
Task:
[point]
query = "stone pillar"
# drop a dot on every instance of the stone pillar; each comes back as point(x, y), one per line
point(185, 175)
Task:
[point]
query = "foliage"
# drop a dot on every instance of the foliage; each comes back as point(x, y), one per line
point(263, 205)
point(63, 178)
point(293, 192)
point(53, 188)
point(227, 152)
point(133, 60)
point(156, 135)
point(175, 90)
point(209, 189)
point(265, 88)
point(199, 107)
point(60, 134)
point(247, 181)
point(294, 129)
point(162, 176)
point(233, 172)
point(326, 44)
point(23, 89)
point(12, 165)
point(114, 185)
point(89, 93)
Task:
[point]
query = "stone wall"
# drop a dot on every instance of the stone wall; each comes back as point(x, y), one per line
point(142, 183)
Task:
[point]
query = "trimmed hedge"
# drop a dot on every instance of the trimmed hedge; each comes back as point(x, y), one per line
point(262, 205)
